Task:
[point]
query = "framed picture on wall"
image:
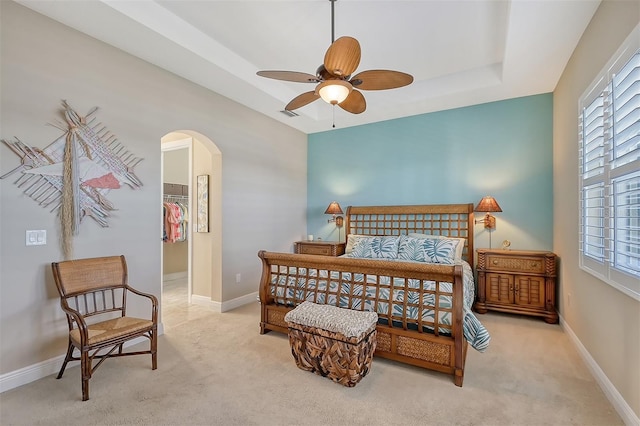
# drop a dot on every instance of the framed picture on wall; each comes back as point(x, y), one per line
point(202, 204)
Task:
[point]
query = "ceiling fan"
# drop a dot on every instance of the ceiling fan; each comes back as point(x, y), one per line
point(336, 85)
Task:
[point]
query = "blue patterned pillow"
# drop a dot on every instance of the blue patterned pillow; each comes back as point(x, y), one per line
point(375, 248)
point(430, 250)
point(352, 239)
point(459, 248)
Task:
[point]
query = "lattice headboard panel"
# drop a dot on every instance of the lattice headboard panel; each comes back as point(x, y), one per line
point(451, 220)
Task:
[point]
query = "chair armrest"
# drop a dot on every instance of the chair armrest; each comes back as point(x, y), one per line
point(154, 301)
point(79, 320)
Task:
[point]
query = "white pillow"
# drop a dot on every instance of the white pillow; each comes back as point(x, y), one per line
point(459, 248)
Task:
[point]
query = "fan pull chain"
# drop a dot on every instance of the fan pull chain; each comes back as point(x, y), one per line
point(333, 111)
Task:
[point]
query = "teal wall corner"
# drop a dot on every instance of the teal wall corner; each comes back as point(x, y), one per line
point(503, 149)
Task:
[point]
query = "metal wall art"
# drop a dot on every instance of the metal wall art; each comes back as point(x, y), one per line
point(74, 173)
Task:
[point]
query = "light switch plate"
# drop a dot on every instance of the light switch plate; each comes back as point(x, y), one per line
point(36, 237)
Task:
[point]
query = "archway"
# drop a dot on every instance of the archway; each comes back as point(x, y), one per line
point(205, 260)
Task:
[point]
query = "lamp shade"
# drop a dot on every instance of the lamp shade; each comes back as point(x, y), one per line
point(488, 204)
point(334, 208)
point(334, 91)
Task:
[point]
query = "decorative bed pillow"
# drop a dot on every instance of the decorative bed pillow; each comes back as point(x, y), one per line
point(459, 247)
point(430, 250)
point(381, 247)
point(352, 239)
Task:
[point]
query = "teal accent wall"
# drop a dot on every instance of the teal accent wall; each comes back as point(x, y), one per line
point(503, 149)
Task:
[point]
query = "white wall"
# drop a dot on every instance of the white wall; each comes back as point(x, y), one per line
point(263, 192)
point(603, 319)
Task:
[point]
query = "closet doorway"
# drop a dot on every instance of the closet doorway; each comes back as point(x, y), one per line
point(176, 231)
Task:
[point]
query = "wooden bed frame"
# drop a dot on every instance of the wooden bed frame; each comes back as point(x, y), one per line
point(400, 338)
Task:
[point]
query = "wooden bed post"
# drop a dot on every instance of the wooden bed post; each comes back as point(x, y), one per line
point(460, 343)
point(264, 298)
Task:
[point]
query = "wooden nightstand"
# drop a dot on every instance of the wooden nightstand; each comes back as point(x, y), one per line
point(517, 281)
point(323, 248)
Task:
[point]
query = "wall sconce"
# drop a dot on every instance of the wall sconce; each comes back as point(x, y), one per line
point(488, 205)
point(335, 209)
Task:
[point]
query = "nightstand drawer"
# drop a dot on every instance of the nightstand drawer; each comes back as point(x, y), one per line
point(320, 248)
point(532, 265)
point(316, 249)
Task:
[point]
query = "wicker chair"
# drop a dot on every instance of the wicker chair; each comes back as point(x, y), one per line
point(96, 288)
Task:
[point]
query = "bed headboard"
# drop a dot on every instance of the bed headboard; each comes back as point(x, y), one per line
point(451, 220)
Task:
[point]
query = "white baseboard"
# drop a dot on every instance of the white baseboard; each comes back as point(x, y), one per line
point(224, 306)
point(206, 302)
point(239, 301)
point(51, 366)
point(30, 373)
point(175, 276)
point(622, 408)
point(37, 371)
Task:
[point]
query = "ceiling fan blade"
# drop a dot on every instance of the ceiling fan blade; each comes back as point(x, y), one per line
point(343, 56)
point(354, 103)
point(297, 77)
point(301, 100)
point(380, 80)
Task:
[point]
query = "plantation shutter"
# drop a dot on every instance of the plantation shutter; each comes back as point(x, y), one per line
point(609, 151)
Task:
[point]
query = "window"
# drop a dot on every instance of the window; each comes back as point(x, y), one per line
point(609, 155)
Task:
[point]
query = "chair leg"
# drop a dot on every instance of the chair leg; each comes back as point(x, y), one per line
point(85, 362)
point(154, 349)
point(66, 360)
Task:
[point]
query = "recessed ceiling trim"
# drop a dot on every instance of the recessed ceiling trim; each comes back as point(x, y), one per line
point(451, 40)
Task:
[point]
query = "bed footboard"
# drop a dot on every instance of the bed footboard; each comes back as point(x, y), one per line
point(419, 306)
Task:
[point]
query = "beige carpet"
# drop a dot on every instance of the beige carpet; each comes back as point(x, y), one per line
point(216, 369)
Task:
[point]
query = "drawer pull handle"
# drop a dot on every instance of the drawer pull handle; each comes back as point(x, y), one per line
point(495, 262)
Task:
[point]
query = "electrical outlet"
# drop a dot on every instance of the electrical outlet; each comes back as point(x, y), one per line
point(238, 278)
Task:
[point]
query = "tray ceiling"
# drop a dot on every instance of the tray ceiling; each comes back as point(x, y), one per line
point(459, 52)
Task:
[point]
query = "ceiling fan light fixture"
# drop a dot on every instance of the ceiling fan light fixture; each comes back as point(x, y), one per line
point(334, 91)
point(335, 85)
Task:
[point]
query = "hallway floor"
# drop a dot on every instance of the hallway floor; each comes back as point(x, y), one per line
point(175, 309)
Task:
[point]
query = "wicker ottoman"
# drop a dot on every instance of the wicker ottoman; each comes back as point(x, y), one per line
point(332, 342)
